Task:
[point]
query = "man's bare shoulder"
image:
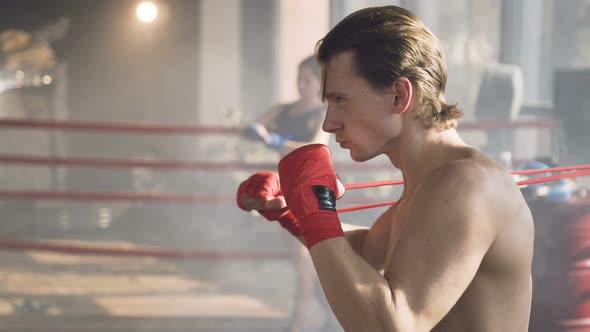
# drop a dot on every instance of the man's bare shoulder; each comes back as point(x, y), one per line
point(475, 185)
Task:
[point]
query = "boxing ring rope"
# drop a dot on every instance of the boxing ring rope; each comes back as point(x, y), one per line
point(130, 128)
point(191, 198)
point(147, 128)
point(180, 254)
point(543, 179)
point(551, 169)
point(133, 128)
point(137, 251)
point(583, 170)
point(213, 166)
point(499, 124)
point(171, 253)
point(162, 164)
point(188, 129)
point(113, 196)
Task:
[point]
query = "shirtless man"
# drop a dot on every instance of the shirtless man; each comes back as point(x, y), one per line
point(455, 253)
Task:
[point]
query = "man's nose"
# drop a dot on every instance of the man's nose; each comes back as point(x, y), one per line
point(331, 122)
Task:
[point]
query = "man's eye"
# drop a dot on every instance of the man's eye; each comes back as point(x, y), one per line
point(338, 99)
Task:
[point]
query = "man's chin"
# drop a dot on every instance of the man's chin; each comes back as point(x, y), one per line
point(361, 157)
point(358, 157)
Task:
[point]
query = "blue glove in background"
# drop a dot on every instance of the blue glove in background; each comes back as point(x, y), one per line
point(275, 140)
point(253, 132)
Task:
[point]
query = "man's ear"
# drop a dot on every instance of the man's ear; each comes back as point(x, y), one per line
point(402, 94)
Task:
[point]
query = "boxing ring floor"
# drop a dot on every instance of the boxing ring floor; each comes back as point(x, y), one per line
point(46, 291)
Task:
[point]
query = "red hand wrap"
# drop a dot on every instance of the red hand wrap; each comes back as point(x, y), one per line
point(266, 185)
point(309, 185)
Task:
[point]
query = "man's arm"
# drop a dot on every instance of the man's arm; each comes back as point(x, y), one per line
point(445, 236)
point(370, 243)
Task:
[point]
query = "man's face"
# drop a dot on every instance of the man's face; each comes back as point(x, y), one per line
point(361, 117)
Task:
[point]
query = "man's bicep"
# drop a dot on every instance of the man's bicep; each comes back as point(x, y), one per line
point(435, 259)
point(371, 244)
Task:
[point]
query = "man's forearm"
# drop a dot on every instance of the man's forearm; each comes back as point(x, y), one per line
point(353, 233)
point(360, 297)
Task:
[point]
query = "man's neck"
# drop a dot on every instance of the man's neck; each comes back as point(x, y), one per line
point(422, 151)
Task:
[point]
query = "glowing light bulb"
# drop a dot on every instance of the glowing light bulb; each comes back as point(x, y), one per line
point(147, 11)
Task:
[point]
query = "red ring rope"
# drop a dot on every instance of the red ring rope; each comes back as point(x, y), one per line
point(174, 253)
point(184, 129)
point(135, 251)
point(364, 206)
point(362, 185)
point(145, 128)
point(554, 177)
point(499, 124)
point(551, 169)
point(520, 183)
point(113, 196)
point(187, 129)
point(211, 166)
point(160, 164)
point(187, 198)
